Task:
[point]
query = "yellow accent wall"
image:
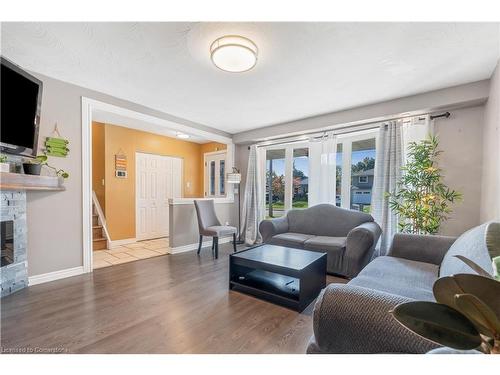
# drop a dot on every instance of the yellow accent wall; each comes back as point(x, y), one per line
point(120, 193)
point(98, 169)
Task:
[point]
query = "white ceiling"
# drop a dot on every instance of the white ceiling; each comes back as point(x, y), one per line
point(304, 69)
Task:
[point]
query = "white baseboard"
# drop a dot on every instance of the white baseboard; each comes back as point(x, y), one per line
point(56, 275)
point(194, 246)
point(116, 243)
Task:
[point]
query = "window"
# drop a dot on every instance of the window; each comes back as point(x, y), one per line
point(355, 168)
point(275, 182)
point(287, 178)
point(215, 174)
point(300, 177)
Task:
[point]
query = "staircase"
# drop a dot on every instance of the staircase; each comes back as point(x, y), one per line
point(99, 241)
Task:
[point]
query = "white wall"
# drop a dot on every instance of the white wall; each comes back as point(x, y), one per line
point(467, 95)
point(55, 218)
point(490, 195)
point(460, 139)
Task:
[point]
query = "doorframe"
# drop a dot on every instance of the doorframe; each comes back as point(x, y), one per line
point(88, 107)
point(137, 184)
point(205, 186)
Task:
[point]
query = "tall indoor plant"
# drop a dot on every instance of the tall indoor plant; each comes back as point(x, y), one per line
point(422, 201)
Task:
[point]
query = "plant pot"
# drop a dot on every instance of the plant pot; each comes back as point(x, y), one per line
point(4, 167)
point(34, 169)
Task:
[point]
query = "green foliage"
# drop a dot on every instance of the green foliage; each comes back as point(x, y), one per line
point(43, 160)
point(466, 315)
point(3, 158)
point(421, 200)
point(366, 164)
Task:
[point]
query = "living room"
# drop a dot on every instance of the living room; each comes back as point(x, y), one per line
point(251, 187)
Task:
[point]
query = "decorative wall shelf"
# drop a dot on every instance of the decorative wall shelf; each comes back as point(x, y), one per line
point(18, 181)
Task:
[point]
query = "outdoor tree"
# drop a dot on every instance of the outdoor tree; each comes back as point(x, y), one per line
point(421, 200)
point(366, 164)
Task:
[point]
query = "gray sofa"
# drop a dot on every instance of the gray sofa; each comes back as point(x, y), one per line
point(354, 317)
point(348, 237)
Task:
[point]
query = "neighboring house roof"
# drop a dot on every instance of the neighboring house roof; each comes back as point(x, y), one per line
point(368, 172)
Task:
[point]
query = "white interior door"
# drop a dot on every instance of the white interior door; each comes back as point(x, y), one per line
point(215, 171)
point(158, 178)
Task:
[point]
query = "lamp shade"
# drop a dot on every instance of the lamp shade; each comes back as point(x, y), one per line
point(233, 178)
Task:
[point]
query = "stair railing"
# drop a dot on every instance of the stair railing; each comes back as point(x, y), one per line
point(101, 217)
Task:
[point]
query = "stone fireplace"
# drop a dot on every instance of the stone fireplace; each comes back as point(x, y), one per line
point(14, 266)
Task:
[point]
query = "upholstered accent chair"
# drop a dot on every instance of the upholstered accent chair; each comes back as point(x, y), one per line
point(347, 236)
point(210, 226)
point(355, 318)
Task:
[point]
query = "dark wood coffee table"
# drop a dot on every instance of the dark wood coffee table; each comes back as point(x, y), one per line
point(282, 275)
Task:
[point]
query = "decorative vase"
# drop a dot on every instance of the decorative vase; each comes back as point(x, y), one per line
point(33, 169)
point(4, 167)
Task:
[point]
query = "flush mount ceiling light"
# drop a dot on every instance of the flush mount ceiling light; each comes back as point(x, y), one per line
point(182, 135)
point(233, 53)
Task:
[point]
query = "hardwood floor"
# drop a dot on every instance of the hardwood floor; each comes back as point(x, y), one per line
point(168, 304)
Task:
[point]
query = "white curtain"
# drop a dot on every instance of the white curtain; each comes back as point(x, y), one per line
point(253, 200)
point(415, 129)
point(388, 163)
point(322, 174)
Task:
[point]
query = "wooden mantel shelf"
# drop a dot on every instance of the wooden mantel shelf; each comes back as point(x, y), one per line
point(18, 181)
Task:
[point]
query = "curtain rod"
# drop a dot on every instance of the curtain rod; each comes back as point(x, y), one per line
point(356, 126)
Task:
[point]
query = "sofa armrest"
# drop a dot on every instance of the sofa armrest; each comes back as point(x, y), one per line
point(272, 227)
point(422, 248)
point(360, 245)
point(352, 319)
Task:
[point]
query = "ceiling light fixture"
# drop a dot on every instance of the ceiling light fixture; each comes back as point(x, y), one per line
point(233, 53)
point(182, 135)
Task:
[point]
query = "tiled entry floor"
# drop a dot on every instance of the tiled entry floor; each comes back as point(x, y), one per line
point(130, 252)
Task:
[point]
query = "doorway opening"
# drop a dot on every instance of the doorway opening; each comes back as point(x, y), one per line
point(134, 167)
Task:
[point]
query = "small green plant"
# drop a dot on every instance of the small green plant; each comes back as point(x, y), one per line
point(421, 200)
point(3, 158)
point(466, 315)
point(43, 160)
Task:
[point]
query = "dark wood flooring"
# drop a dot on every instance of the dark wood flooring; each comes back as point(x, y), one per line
point(168, 304)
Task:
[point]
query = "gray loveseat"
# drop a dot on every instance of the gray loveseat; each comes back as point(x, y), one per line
point(348, 237)
point(354, 317)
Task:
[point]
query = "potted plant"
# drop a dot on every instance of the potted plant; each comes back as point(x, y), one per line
point(466, 315)
point(421, 200)
point(4, 165)
point(34, 167)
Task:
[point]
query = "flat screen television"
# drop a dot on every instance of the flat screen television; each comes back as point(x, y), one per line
point(20, 103)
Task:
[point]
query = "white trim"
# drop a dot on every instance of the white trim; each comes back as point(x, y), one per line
point(117, 243)
point(194, 246)
point(106, 107)
point(56, 275)
point(89, 105)
point(87, 183)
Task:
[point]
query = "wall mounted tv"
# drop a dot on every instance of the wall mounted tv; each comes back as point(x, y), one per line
point(20, 102)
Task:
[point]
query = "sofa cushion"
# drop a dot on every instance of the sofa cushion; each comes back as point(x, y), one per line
point(478, 244)
point(325, 243)
point(334, 247)
point(403, 277)
point(290, 239)
point(325, 220)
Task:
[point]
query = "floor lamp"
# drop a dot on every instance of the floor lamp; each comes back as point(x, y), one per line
point(234, 178)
